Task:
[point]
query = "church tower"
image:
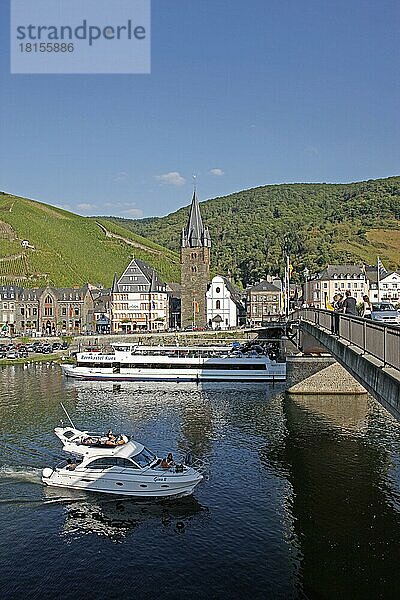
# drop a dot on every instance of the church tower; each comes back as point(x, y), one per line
point(195, 268)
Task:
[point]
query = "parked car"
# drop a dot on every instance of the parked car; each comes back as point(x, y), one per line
point(385, 312)
point(12, 354)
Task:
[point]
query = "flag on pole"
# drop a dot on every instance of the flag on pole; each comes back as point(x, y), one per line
point(381, 268)
point(380, 272)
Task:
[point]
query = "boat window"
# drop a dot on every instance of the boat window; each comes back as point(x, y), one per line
point(69, 434)
point(103, 463)
point(125, 463)
point(144, 458)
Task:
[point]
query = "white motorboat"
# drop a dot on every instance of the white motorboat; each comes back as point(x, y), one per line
point(118, 465)
point(132, 362)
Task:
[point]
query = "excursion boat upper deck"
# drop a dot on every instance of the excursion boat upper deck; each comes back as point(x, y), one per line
point(132, 362)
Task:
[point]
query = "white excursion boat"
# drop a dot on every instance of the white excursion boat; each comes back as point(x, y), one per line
point(118, 465)
point(131, 362)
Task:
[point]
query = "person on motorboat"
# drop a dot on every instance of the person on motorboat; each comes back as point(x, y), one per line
point(71, 465)
point(166, 463)
point(88, 441)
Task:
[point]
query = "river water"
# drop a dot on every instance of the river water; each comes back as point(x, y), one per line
point(301, 500)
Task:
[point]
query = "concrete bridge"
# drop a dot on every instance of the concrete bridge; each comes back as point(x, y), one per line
point(370, 351)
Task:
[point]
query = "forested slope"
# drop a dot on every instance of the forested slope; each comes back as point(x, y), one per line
point(317, 223)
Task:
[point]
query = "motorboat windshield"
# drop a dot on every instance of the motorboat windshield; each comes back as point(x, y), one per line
point(145, 458)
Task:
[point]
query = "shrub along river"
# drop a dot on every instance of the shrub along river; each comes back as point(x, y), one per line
point(302, 497)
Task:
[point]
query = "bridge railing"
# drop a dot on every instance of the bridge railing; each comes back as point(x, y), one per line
point(379, 340)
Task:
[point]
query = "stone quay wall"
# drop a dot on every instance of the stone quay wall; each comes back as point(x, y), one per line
point(299, 368)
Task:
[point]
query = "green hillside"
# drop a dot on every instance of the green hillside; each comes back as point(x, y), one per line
point(317, 223)
point(69, 250)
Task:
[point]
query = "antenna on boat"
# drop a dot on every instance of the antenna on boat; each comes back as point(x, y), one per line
point(69, 418)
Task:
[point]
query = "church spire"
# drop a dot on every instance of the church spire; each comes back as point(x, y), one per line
point(195, 235)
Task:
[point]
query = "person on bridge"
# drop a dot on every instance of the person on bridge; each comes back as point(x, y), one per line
point(349, 304)
point(367, 308)
point(338, 308)
point(337, 303)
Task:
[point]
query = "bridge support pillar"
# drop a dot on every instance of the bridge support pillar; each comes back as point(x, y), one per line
point(382, 383)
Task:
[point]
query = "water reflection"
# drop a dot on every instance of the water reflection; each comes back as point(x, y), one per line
point(303, 493)
point(118, 517)
point(345, 411)
point(340, 506)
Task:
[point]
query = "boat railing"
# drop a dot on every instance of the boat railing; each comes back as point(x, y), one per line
point(199, 465)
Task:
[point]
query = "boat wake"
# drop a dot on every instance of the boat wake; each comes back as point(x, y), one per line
point(20, 474)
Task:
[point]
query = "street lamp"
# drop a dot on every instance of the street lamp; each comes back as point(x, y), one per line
point(306, 274)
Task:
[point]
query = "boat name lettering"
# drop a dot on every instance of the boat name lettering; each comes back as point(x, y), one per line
point(99, 357)
point(160, 479)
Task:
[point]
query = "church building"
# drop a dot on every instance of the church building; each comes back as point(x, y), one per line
point(195, 268)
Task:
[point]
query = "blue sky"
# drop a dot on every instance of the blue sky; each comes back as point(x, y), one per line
point(241, 93)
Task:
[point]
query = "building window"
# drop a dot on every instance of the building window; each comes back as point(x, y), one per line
point(194, 269)
point(64, 311)
point(218, 304)
point(218, 290)
point(49, 300)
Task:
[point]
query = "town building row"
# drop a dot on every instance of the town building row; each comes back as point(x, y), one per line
point(360, 280)
point(138, 301)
